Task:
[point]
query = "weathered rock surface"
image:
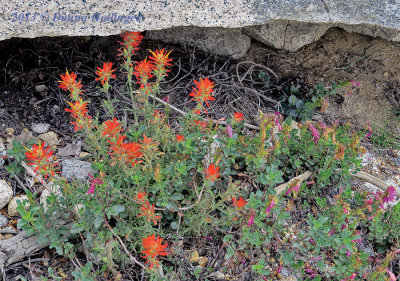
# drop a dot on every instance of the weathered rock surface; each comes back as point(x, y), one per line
point(40, 128)
point(288, 20)
point(13, 204)
point(6, 193)
point(76, 169)
point(222, 41)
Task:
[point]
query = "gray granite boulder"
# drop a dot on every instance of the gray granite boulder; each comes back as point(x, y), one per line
point(285, 24)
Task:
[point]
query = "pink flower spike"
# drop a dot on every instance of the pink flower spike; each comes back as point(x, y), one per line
point(348, 253)
point(251, 220)
point(315, 133)
point(94, 182)
point(331, 232)
point(353, 276)
point(369, 129)
point(229, 130)
point(271, 205)
point(278, 119)
point(390, 194)
point(166, 99)
point(392, 276)
point(279, 269)
point(355, 83)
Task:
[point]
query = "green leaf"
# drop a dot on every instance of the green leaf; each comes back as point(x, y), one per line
point(292, 100)
point(176, 196)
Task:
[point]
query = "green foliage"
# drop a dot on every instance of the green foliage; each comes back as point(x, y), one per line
point(17, 153)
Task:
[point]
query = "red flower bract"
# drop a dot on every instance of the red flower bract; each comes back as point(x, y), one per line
point(153, 248)
point(113, 128)
point(39, 156)
point(78, 112)
point(149, 212)
point(160, 58)
point(142, 71)
point(203, 92)
point(131, 39)
point(68, 83)
point(127, 153)
point(105, 73)
point(239, 203)
point(212, 173)
point(238, 117)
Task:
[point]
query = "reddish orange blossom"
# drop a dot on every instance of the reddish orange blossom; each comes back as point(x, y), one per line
point(152, 248)
point(105, 73)
point(160, 58)
point(143, 71)
point(203, 92)
point(127, 153)
point(180, 138)
point(140, 196)
point(112, 128)
point(39, 156)
point(68, 82)
point(212, 173)
point(239, 203)
point(149, 212)
point(79, 113)
point(238, 117)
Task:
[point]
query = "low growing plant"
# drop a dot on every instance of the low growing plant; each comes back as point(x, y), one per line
point(154, 185)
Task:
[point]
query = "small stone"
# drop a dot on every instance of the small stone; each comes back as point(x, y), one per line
point(10, 131)
point(13, 204)
point(26, 137)
point(8, 235)
point(83, 154)
point(76, 210)
point(40, 128)
point(76, 169)
point(1, 237)
point(2, 146)
point(386, 74)
point(46, 193)
point(49, 138)
point(41, 88)
point(289, 278)
point(3, 221)
point(6, 194)
point(43, 199)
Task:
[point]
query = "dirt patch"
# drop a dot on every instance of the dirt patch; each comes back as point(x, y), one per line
point(342, 56)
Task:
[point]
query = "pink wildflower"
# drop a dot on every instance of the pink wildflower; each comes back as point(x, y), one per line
point(229, 130)
point(278, 119)
point(315, 133)
point(355, 83)
point(369, 129)
point(294, 188)
point(94, 181)
point(331, 232)
point(348, 253)
point(390, 194)
point(271, 205)
point(251, 220)
point(357, 240)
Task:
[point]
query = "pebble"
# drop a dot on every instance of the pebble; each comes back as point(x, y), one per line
point(10, 131)
point(6, 194)
point(2, 147)
point(13, 204)
point(49, 138)
point(76, 169)
point(41, 88)
point(40, 128)
point(7, 236)
point(3, 221)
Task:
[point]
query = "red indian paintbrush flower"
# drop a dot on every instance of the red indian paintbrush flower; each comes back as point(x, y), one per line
point(143, 71)
point(149, 212)
point(239, 203)
point(160, 59)
point(131, 40)
point(152, 248)
point(79, 113)
point(39, 156)
point(238, 117)
point(212, 173)
point(112, 128)
point(105, 73)
point(203, 92)
point(140, 196)
point(180, 138)
point(127, 153)
point(69, 82)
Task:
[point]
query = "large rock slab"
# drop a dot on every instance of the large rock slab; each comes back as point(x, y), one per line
point(287, 24)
